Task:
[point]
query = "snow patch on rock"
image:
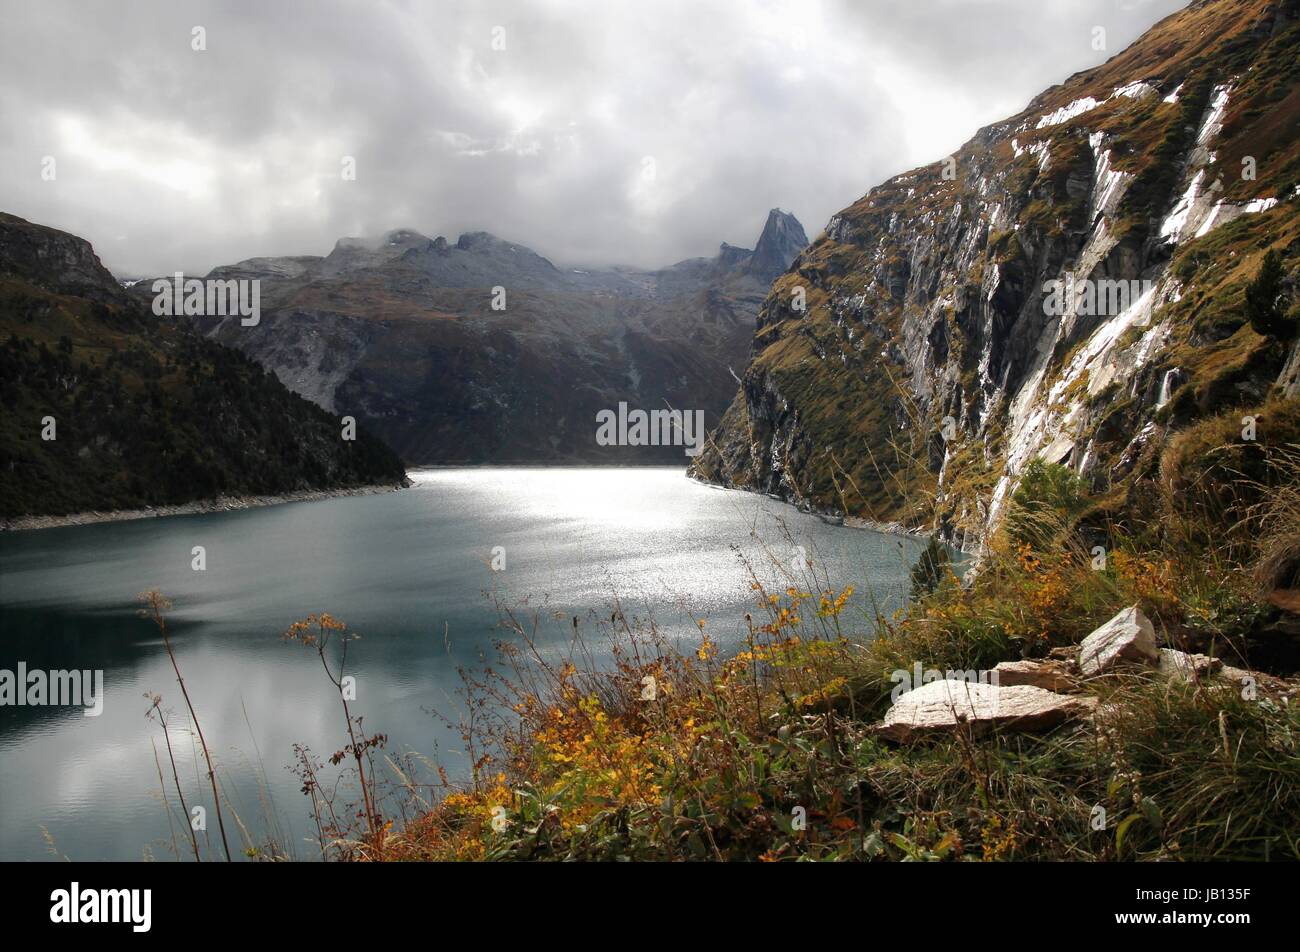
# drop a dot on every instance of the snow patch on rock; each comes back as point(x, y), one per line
point(1066, 113)
point(1138, 90)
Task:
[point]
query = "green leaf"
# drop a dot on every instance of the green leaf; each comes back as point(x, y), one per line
point(1122, 829)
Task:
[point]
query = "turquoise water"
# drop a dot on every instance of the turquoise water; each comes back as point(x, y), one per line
point(411, 572)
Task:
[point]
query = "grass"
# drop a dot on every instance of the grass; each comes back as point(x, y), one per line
point(635, 746)
point(770, 754)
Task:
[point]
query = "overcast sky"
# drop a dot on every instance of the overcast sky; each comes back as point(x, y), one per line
point(605, 131)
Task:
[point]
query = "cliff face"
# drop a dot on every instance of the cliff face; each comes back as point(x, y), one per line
point(109, 407)
point(402, 332)
point(932, 359)
point(54, 261)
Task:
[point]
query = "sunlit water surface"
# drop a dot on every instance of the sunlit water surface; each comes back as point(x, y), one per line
point(410, 571)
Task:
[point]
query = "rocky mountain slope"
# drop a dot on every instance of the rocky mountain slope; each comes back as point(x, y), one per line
point(934, 360)
point(109, 407)
point(403, 333)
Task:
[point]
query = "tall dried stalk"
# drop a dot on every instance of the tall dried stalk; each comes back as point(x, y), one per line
point(155, 709)
point(156, 604)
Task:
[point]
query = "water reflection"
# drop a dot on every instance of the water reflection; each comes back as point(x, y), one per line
point(409, 571)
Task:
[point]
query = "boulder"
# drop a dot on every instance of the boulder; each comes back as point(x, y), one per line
point(1180, 664)
point(1048, 675)
point(1237, 675)
point(1128, 636)
point(943, 705)
point(1268, 685)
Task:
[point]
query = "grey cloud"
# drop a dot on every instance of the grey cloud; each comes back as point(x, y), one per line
point(170, 158)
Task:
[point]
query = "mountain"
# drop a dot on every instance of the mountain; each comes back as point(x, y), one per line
point(142, 411)
point(401, 331)
point(779, 244)
point(935, 359)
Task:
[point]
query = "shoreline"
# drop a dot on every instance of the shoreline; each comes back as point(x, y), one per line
point(193, 508)
point(237, 503)
point(828, 517)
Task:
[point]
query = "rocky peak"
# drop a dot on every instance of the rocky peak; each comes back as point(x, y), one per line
point(403, 238)
point(349, 243)
point(779, 244)
point(352, 254)
point(729, 256)
point(481, 240)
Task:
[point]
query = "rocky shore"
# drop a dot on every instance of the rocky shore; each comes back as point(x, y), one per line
point(219, 504)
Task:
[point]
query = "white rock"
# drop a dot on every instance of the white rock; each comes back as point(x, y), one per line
point(943, 705)
point(1126, 637)
point(1237, 674)
point(1180, 664)
point(1048, 675)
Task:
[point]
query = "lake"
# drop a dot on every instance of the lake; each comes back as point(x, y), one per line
point(412, 572)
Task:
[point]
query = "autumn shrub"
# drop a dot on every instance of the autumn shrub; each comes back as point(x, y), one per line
point(768, 751)
point(770, 754)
